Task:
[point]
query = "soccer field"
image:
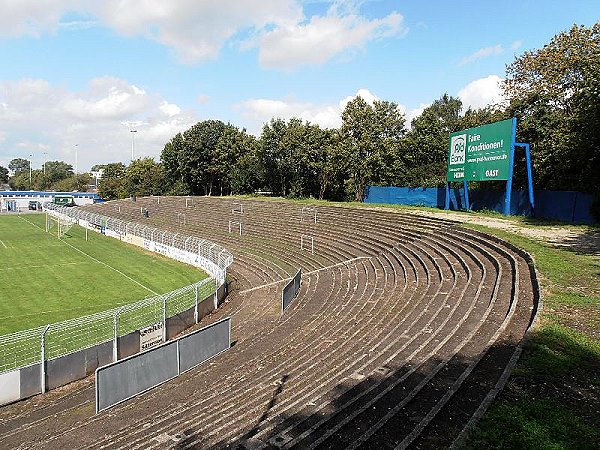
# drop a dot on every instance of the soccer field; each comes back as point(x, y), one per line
point(45, 280)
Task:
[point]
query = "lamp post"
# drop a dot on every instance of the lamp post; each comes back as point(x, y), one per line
point(76, 148)
point(45, 158)
point(132, 144)
point(30, 156)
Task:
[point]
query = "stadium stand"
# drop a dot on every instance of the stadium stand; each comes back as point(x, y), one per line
point(404, 330)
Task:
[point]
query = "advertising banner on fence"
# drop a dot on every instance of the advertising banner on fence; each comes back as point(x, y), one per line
point(151, 336)
point(481, 153)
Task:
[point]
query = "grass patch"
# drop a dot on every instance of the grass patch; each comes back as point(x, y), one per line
point(551, 400)
point(555, 350)
point(533, 424)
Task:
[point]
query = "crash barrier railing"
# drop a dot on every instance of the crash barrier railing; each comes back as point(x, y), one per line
point(290, 290)
point(131, 376)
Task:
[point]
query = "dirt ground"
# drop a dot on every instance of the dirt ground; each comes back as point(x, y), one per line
point(581, 239)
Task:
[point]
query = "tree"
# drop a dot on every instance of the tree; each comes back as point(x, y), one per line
point(75, 183)
point(3, 175)
point(171, 160)
point(111, 183)
point(370, 136)
point(143, 177)
point(20, 181)
point(232, 145)
point(425, 152)
point(198, 153)
point(274, 157)
point(18, 165)
point(554, 93)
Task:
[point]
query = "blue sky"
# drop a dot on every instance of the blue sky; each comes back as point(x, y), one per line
point(77, 75)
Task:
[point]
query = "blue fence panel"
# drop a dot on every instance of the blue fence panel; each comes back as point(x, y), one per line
point(565, 206)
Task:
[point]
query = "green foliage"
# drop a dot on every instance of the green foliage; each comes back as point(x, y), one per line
point(18, 165)
point(73, 183)
point(370, 139)
point(57, 170)
point(3, 175)
point(110, 186)
point(542, 424)
point(20, 181)
point(143, 177)
point(554, 93)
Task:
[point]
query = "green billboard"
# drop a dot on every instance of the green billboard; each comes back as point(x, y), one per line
point(481, 153)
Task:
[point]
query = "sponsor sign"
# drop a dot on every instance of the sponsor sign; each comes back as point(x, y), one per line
point(151, 336)
point(481, 153)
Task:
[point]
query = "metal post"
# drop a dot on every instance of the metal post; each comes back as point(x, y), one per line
point(447, 205)
point(115, 335)
point(466, 188)
point(530, 179)
point(196, 305)
point(511, 164)
point(215, 299)
point(43, 359)
point(164, 336)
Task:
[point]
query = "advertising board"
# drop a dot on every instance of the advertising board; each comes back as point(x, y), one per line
point(481, 153)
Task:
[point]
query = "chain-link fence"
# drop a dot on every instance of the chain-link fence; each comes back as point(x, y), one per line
point(28, 347)
point(31, 346)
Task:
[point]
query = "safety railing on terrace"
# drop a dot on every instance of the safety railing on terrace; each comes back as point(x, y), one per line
point(23, 348)
point(206, 249)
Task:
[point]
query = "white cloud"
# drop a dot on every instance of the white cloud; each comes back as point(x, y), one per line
point(31, 17)
point(365, 94)
point(516, 45)
point(482, 53)
point(97, 120)
point(259, 111)
point(197, 30)
point(482, 92)
point(322, 38)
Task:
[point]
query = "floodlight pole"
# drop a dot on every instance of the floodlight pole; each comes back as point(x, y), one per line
point(132, 144)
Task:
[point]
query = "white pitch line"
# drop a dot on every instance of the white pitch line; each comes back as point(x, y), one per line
point(96, 260)
point(343, 263)
point(39, 266)
point(3, 243)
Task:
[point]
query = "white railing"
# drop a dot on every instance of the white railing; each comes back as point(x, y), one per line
point(205, 254)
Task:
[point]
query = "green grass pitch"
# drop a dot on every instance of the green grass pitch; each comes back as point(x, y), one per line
point(45, 280)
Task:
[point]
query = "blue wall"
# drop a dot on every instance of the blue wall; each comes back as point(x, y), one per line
point(565, 206)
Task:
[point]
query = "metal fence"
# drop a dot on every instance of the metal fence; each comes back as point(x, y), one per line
point(203, 248)
point(35, 345)
point(43, 343)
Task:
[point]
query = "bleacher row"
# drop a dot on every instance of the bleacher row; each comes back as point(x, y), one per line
point(401, 335)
